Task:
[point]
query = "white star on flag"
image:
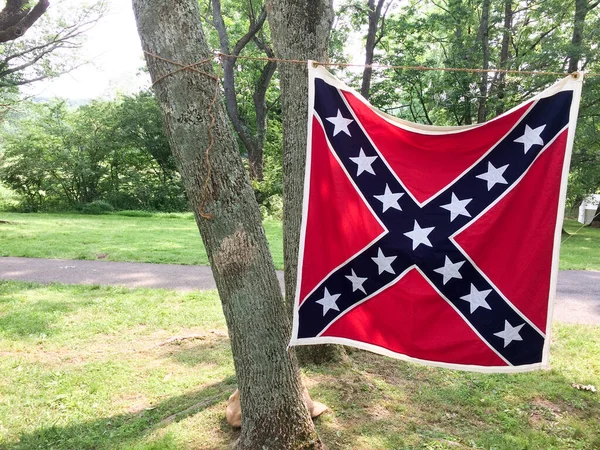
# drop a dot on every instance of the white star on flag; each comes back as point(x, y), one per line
point(493, 176)
point(477, 298)
point(419, 235)
point(357, 282)
point(384, 263)
point(450, 270)
point(340, 123)
point(457, 207)
point(328, 301)
point(364, 163)
point(531, 137)
point(510, 333)
point(389, 199)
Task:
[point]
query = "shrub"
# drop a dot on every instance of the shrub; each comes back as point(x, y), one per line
point(8, 199)
point(272, 207)
point(134, 213)
point(97, 207)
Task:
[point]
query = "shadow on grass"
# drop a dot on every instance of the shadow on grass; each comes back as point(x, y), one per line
point(381, 403)
point(36, 320)
point(215, 350)
point(32, 318)
point(128, 430)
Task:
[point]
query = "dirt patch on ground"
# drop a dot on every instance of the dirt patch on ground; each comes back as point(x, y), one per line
point(107, 347)
point(544, 412)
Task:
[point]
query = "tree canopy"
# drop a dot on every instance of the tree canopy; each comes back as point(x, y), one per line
point(57, 157)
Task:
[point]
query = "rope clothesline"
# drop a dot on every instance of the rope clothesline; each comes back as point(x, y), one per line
point(577, 230)
point(220, 55)
point(217, 78)
point(403, 67)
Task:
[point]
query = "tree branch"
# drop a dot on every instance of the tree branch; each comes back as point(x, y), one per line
point(254, 27)
point(16, 18)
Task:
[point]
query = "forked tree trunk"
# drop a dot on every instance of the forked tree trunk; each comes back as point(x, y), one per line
point(253, 141)
point(300, 30)
point(274, 415)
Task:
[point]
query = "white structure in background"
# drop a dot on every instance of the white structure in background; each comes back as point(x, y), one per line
point(588, 208)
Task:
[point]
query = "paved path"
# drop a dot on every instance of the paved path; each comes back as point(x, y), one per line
point(578, 297)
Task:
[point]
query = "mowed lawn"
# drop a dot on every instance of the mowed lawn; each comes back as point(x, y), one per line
point(89, 367)
point(174, 239)
point(154, 238)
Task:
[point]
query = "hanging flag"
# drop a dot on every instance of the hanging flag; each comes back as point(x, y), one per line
point(432, 244)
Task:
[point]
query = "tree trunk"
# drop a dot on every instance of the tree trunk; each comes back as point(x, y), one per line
point(581, 10)
point(374, 15)
point(274, 415)
point(504, 55)
point(253, 142)
point(483, 36)
point(300, 30)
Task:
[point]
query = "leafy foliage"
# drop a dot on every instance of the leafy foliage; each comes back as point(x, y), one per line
point(532, 35)
point(115, 151)
point(97, 207)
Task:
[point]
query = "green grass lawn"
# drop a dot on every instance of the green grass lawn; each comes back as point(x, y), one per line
point(174, 238)
point(88, 367)
point(156, 238)
point(580, 251)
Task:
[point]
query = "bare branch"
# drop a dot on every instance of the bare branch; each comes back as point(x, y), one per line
point(255, 26)
point(382, 27)
point(21, 82)
point(18, 58)
point(219, 25)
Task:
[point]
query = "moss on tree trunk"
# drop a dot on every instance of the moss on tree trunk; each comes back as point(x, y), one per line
point(274, 415)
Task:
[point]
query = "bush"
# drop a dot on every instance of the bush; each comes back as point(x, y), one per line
point(8, 199)
point(97, 207)
point(272, 208)
point(134, 213)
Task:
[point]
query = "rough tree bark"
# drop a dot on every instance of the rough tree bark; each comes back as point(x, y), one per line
point(253, 142)
point(18, 16)
point(274, 415)
point(300, 30)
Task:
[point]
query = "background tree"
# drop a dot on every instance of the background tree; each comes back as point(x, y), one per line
point(57, 157)
point(273, 412)
point(250, 128)
point(505, 34)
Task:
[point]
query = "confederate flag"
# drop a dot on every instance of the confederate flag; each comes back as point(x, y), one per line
point(433, 244)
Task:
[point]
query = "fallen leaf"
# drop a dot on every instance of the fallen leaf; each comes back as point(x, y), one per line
point(584, 387)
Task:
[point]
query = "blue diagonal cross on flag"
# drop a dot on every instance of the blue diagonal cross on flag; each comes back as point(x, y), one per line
point(433, 244)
